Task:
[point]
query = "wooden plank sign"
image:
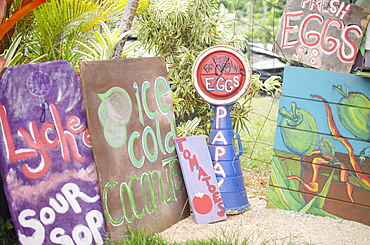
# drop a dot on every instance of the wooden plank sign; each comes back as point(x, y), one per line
point(130, 116)
point(46, 159)
point(321, 161)
point(200, 179)
point(324, 34)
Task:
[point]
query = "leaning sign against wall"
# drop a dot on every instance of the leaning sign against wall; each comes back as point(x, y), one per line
point(322, 34)
point(321, 150)
point(129, 110)
point(45, 156)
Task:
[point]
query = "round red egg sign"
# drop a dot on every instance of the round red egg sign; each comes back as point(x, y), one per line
point(221, 75)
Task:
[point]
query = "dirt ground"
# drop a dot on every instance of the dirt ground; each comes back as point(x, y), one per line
point(259, 225)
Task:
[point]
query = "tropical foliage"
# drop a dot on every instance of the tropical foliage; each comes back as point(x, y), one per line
point(102, 47)
point(180, 30)
point(12, 12)
point(59, 26)
point(76, 30)
point(59, 30)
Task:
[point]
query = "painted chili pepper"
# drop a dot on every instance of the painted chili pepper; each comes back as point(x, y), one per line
point(351, 153)
point(314, 184)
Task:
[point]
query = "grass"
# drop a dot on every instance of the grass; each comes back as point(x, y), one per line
point(223, 238)
point(141, 237)
point(258, 142)
point(8, 238)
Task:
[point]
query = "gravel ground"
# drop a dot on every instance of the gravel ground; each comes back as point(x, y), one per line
point(272, 226)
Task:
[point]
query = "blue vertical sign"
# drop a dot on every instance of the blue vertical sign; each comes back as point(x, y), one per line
point(221, 75)
point(226, 161)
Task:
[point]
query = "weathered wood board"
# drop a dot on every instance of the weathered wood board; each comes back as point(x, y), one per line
point(130, 116)
point(314, 172)
point(322, 146)
point(319, 115)
point(324, 34)
point(336, 209)
point(200, 179)
point(47, 163)
point(305, 141)
point(362, 58)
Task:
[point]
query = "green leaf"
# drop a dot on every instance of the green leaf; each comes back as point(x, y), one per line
point(12, 55)
point(319, 200)
point(326, 147)
point(59, 28)
point(9, 224)
point(293, 200)
point(188, 128)
point(319, 211)
point(275, 196)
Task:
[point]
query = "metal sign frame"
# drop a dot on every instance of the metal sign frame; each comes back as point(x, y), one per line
point(221, 75)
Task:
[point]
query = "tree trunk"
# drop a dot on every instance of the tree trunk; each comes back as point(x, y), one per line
point(125, 25)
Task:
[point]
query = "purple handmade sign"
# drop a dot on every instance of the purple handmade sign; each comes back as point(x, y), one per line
point(46, 158)
point(200, 179)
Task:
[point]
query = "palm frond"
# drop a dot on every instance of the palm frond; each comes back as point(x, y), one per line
point(59, 27)
point(12, 55)
point(103, 46)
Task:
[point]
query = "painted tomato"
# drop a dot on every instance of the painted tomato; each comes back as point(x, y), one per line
point(202, 203)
